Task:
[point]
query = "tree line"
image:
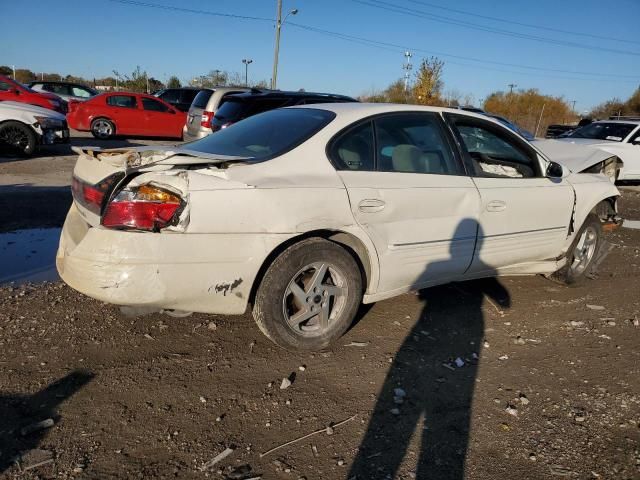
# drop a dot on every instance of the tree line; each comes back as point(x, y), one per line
point(137, 81)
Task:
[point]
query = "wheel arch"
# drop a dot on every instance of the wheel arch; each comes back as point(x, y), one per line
point(364, 255)
point(604, 206)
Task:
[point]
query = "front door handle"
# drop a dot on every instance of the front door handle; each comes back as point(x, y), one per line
point(496, 206)
point(371, 205)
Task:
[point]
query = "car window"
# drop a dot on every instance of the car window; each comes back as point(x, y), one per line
point(187, 96)
point(154, 105)
point(635, 137)
point(126, 101)
point(170, 96)
point(265, 136)
point(264, 105)
point(4, 86)
point(230, 110)
point(495, 153)
point(80, 92)
point(615, 132)
point(414, 143)
point(354, 149)
point(57, 88)
point(202, 98)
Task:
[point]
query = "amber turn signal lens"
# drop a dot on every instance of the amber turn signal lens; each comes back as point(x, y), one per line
point(149, 193)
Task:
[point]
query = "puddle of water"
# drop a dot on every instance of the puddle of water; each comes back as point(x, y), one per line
point(29, 255)
point(635, 224)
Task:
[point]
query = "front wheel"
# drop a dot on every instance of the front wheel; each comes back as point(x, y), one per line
point(309, 295)
point(583, 252)
point(19, 137)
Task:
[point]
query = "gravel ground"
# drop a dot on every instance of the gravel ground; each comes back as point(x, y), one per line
point(516, 378)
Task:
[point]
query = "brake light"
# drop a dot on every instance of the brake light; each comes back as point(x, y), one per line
point(146, 207)
point(206, 118)
point(91, 196)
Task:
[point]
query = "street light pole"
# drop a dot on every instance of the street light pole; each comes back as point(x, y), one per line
point(279, 23)
point(246, 62)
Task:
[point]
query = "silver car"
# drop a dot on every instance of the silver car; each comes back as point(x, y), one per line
point(203, 108)
point(65, 90)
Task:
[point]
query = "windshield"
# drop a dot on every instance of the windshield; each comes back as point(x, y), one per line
point(615, 132)
point(230, 110)
point(266, 135)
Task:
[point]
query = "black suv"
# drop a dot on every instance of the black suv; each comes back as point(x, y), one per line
point(180, 98)
point(242, 105)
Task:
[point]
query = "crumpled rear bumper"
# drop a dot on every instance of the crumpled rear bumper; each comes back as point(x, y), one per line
point(209, 273)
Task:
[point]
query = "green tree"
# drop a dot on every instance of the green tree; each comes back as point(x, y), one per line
point(174, 82)
point(5, 70)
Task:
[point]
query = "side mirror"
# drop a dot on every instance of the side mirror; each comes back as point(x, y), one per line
point(636, 141)
point(15, 91)
point(554, 170)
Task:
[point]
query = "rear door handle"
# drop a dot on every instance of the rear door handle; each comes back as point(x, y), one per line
point(496, 206)
point(371, 205)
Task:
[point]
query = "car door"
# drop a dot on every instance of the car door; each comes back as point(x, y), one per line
point(524, 215)
point(159, 118)
point(630, 155)
point(126, 113)
point(408, 190)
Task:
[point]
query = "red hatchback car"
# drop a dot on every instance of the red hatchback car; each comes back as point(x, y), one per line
point(126, 113)
point(10, 90)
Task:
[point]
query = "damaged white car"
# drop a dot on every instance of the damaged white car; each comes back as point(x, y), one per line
point(303, 213)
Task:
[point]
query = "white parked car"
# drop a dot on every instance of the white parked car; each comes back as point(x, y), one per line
point(305, 212)
point(24, 127)
point(617, 137)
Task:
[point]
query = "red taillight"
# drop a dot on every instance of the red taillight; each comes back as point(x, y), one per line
point(142, 208)
point(90, 196)
point(206, 119)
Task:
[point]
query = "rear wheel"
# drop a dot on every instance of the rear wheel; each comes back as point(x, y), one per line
point(19, 138)
point(583, 251)
point(309, 295)
point(103, 128)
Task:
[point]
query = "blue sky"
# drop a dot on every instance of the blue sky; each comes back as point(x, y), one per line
point(94, 38)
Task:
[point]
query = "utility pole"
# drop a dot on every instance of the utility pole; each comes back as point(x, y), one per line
point(511, 87)
point(246, 62)
point(274, 75)
point(573, 105)
point(279, 23)
point(407, 69)
point(14, 71)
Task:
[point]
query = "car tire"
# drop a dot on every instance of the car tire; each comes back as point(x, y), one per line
point(103, 129)
point(20, 138)
point(314, 275)
point(583, 252)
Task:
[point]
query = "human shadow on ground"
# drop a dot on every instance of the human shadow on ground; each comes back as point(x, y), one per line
point(439, 391)
point(20, 411)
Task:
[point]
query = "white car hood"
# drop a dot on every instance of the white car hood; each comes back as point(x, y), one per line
point(10, 109)
point(586, 141)
point(576, 157)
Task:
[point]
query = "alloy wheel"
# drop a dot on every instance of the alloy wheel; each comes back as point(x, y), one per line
point(584, 250)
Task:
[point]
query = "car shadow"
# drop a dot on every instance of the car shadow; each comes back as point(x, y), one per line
point(39, 207)
point(20, 414)
point(427, 395)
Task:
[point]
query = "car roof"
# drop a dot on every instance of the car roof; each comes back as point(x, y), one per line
point(358, 109)
point(624, 122)
point(255, 93)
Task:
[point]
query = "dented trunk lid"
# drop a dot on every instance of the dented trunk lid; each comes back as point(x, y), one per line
point(98, 172)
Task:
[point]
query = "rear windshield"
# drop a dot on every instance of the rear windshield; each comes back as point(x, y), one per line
point(202, 99)
point(615, 132)
point(266, 135)
point(230, 109)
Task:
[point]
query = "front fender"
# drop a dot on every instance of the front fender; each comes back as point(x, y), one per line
point(590, 190)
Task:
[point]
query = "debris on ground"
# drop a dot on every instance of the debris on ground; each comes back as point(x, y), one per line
point(357, 344)
point(34, 458)
point(34, 427)
point(595, 307)
point(221, 456)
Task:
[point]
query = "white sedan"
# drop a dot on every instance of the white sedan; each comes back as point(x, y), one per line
point(303, 213)
point(617, 137)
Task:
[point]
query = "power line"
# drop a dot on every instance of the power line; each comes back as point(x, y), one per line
point(397, 47)
point(190, 10)
point(461, 23)
point(528, 25)
point(392, 46)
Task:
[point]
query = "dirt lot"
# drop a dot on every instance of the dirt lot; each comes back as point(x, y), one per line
point(548, 386)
